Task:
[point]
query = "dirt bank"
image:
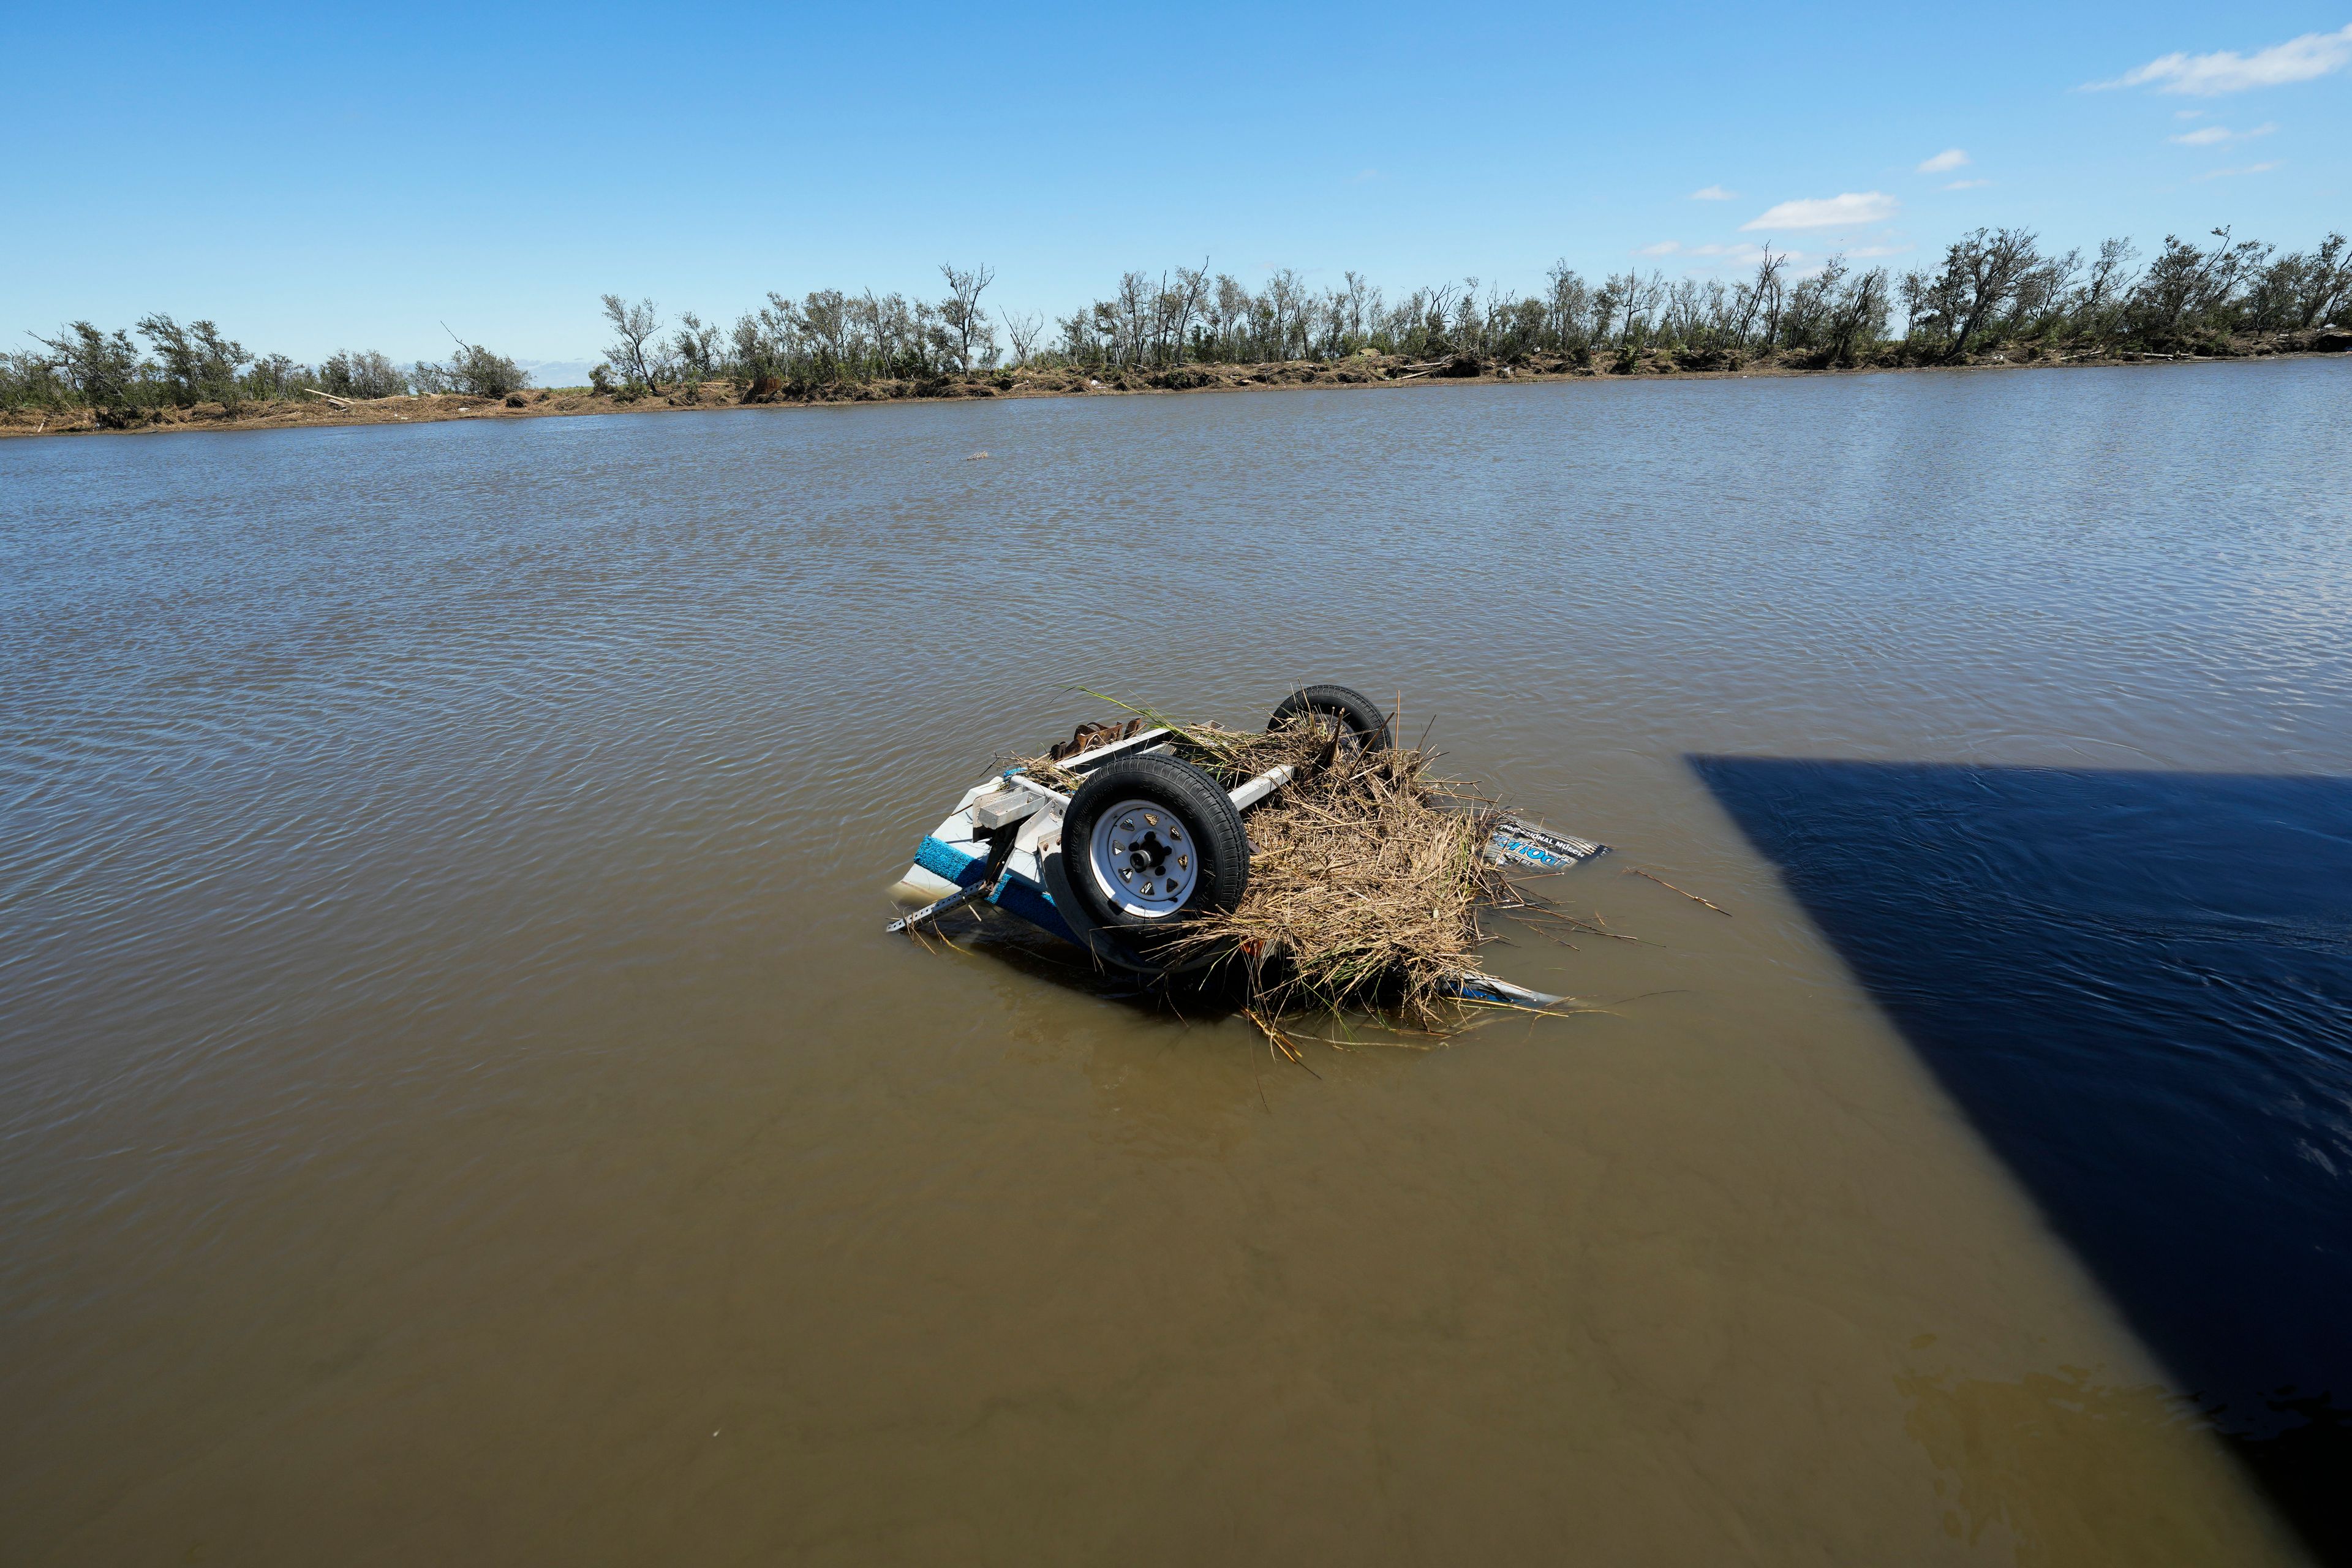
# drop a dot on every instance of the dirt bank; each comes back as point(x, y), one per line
point(1361, 370)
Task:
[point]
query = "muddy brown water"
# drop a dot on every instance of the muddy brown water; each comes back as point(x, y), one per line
point(457, 1102)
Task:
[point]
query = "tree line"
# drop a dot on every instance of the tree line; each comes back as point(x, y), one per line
point(184, 365)
point(827, 337)
point(1992, 289)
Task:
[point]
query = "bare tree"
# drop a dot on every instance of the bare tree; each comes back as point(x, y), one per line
point(1980, 272)
point(1634, 296)
point(2324, 282)
point(1469, 321)
point(1356, 302)
point(1165, 307)
point(1770, 295)
point(1125, 320)
point(2105, 287)
point(1686, 313)
point(634, 326)
point(1231, 311)
point(1805, 319)
point(1857, 315)
point(960, 310)
point(932, 341)
point(696, 347)
point(900, 332)
point(1079, 340)
point(2040, 295)
point(1286, 296)
point(828, 320)
point(1437, 307)
point(1195, 284)
point(1023, 331)
point(1569, 302)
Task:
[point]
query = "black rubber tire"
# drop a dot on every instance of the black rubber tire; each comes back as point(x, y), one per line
point(1360, 713)
point(1187, 795)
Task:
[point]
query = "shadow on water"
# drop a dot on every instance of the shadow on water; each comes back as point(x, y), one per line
point(2138, 987)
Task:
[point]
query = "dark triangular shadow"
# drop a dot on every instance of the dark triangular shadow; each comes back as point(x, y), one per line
point(2138, 987)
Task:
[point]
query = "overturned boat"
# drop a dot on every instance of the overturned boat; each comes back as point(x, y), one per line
point(1132, 840)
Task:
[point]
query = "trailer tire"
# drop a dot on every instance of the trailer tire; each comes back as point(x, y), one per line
point(1356, 713)
point(1158, 824)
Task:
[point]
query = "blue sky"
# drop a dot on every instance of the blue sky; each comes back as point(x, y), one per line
point(317, 177)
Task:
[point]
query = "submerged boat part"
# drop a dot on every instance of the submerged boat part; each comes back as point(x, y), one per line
point(1004, 844)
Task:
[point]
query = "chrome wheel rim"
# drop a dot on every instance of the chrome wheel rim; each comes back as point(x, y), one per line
point(1144, 859)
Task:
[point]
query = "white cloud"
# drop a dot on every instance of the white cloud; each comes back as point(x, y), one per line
point(2249, 169)
point(1827, 211)
point(1967, 186)
point(1876, 250)
point(2215, 135)
point(1663, 247)
point(1944, 162)
point(2191, 113)
point(1715, 194)
point(2207, 76)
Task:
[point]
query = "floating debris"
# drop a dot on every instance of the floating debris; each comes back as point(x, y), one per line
point(1693, 897)
point(1317, 863)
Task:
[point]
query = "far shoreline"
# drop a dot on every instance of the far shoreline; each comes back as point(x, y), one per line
point(1365, 372)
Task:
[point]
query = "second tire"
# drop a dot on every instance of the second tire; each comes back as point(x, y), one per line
point(1354, 712)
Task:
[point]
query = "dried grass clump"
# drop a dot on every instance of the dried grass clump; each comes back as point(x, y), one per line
point(1231, 757)
point(1365, 884)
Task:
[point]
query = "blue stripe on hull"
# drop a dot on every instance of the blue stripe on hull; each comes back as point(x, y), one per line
point(944, 860)
point(1014, 895)
point(1019, 896)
